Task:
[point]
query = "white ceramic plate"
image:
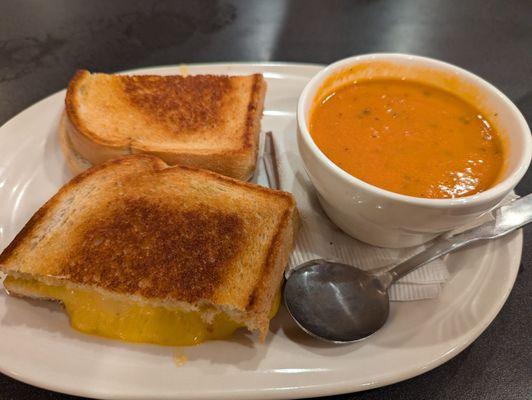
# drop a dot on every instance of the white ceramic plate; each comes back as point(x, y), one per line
point(37, 345)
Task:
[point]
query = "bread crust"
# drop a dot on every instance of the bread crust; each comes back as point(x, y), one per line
point(76, 164)
point(238, 162)
point(207, 286)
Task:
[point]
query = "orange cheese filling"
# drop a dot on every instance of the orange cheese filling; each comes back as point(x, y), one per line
point(97, 314)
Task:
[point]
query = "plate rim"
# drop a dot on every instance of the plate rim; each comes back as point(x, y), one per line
point(346, 386)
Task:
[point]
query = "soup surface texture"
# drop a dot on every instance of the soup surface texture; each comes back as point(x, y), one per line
point(408, 137)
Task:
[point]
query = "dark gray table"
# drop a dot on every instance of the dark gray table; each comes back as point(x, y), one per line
point(43, 42)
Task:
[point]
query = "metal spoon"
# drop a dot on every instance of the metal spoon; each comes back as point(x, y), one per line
point(340, 303)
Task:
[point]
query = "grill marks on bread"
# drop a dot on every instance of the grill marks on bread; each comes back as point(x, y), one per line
point(143, 248)
point(181, 103)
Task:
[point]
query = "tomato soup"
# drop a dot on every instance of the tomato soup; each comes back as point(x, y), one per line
point(408, 137)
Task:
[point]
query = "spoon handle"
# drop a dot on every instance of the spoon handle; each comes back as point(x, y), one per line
point(507, 219)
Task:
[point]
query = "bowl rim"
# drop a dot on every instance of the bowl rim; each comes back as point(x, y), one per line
point(494, 193)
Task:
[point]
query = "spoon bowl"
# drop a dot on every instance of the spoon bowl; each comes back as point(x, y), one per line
point(337, 302)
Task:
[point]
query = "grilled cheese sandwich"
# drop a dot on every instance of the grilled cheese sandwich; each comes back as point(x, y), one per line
point(143, 252)
point(203, 121)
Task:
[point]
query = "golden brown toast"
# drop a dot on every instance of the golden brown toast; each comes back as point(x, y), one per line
point(203, 121)
point(173, 236)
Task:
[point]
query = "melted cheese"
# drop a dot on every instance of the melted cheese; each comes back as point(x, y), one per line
point(96, 314)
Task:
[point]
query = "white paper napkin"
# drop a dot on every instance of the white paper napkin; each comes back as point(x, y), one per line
point(320, 238)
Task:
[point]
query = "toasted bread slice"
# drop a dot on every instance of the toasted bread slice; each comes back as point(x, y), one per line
point(164, 236)
point(202, 121)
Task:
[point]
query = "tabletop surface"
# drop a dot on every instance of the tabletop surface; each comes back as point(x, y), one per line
point(43, 42)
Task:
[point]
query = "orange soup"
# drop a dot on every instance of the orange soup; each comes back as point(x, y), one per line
point(408, 137)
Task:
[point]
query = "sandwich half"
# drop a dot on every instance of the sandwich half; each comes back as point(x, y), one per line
point(202, 121)
point(143, 252)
